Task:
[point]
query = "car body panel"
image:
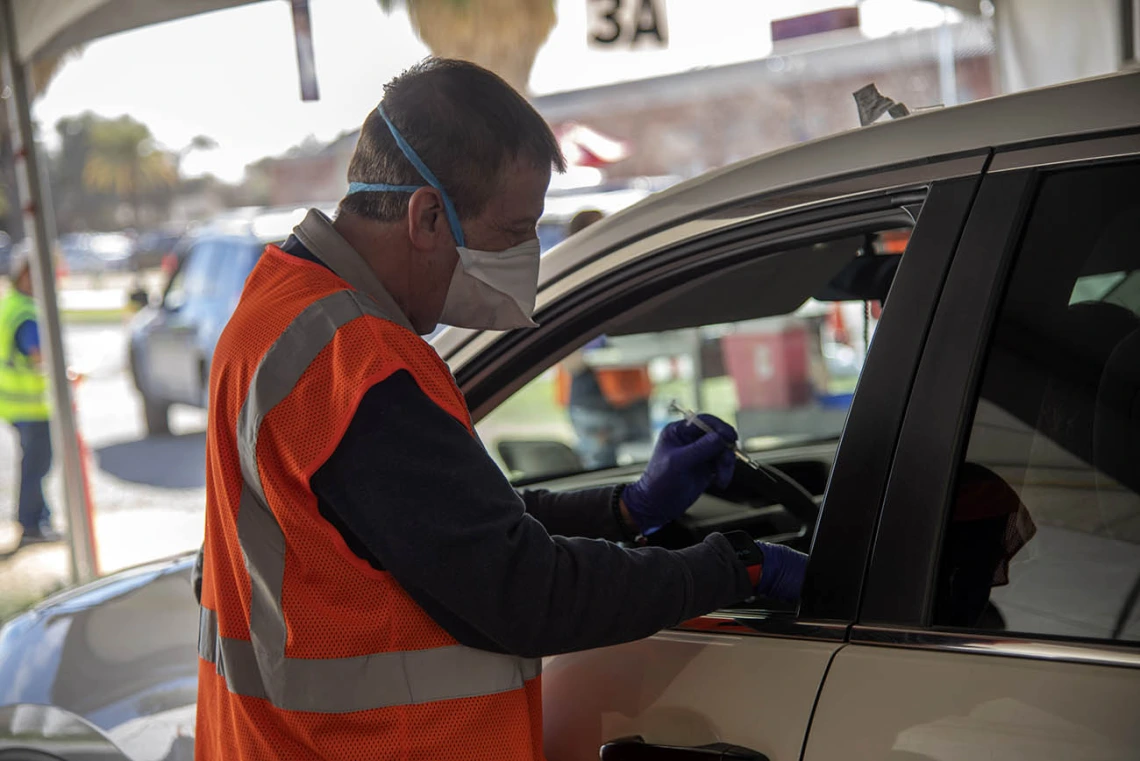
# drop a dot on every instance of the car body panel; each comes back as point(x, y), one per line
point(659, 688)
point(121, 648)
point(883, 702)
point(57, 733)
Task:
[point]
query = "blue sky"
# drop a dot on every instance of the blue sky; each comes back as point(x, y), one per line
point(233, 74)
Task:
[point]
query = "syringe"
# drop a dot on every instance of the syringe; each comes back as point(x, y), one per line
point(693, 419)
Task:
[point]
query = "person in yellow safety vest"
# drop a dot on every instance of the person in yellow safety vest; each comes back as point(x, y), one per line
point(23, 400)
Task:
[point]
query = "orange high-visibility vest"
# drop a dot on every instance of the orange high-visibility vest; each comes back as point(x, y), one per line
point(620, 386)
point(305, 650)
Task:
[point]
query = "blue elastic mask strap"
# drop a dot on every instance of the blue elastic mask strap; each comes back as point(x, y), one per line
point(421, 167)
point(380, 187)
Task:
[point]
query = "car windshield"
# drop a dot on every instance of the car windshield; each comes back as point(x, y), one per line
point(780, 367)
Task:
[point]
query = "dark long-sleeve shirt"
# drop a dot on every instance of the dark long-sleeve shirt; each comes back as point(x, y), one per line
point(414, 493)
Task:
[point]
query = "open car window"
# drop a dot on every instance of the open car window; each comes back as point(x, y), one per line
point(774, 346)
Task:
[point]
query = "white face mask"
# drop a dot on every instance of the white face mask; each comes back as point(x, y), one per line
point(490, 290)
point(493, 290)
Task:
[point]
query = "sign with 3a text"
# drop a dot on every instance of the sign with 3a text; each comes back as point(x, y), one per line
point(626, 24)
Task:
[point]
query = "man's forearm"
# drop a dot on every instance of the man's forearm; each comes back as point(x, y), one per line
point(587, 513)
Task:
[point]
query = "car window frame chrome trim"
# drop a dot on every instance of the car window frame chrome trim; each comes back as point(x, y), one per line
point(1076, 150)
point(1030, 647)
point(762, 623)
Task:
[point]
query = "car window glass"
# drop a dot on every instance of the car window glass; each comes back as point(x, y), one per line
point(197, 279)
point(1044, 532)
point(235, 268)
point(550, 234)
point(749, 344)
point(203, 277)
point(175, 296)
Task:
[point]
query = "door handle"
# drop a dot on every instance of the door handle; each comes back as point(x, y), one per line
point(636, 749)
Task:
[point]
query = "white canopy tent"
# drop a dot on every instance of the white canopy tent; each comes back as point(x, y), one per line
point(45, 27)
point(32, 28)
point(1101, 36)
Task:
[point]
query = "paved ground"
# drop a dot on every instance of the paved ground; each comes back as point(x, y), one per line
point(148, 494)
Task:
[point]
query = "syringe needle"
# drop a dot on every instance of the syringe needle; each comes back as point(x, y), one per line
point(692, 418)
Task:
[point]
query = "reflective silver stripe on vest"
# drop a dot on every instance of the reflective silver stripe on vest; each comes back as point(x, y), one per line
point(343, 685)
point(258, 667)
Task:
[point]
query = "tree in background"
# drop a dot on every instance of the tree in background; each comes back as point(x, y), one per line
point(125, 161)
point(501, 35)
point(77, 208)
point(197, 143)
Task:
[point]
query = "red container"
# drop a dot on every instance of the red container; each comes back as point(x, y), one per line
point(770, 369)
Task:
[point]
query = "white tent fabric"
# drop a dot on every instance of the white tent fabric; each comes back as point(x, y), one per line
point(52, 26)
point(1031, 52)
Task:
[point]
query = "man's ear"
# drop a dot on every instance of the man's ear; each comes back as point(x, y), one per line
point(427, 218)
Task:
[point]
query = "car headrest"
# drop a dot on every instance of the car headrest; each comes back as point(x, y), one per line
point(1090, 332)
point(1117, 426)
point(1081, 347)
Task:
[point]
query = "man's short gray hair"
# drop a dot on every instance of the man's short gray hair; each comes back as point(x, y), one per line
point(465, 123)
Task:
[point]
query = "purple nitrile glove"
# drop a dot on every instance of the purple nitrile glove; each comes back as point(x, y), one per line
point(782, 575)
point(685, 461)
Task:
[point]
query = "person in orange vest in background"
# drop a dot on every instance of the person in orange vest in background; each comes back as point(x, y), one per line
point(609, 406)
point(372, 586)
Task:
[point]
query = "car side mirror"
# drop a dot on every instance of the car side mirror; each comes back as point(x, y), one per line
point(538, 459)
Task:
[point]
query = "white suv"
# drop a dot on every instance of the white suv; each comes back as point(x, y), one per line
point(972, 509)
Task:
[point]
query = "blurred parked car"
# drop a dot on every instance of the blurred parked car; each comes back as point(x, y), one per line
point(89, 253)
point(172, 340)
point(995, 410)
point(153, 246)
point(562, 206)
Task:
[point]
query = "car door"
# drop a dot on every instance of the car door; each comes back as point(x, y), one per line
point(174, 356)
point(696, 317)
point(1000, 617)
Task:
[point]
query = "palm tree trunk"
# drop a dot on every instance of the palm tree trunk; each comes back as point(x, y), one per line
point(135, 196)
point(13, 217)
point(501, 35)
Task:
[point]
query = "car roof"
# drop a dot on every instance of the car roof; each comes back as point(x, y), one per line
point(1089, 106)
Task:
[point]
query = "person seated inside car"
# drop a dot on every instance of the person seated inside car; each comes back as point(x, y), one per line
point(988, 526)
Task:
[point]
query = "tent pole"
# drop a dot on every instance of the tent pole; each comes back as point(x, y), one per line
point(39, 224)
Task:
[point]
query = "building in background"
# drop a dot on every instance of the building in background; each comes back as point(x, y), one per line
point(681, 125)
point(687, 123)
